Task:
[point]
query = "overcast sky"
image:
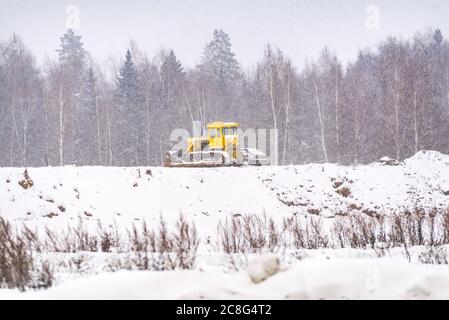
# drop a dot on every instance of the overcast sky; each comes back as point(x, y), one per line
point(299, 28)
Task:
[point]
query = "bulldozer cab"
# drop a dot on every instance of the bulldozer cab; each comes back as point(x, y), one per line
point(223, 136)
point(215, 138)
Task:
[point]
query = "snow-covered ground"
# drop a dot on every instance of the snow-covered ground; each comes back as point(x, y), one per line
point(60, 196)
point(307, 279)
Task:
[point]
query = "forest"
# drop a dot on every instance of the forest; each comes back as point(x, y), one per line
point(392, 100)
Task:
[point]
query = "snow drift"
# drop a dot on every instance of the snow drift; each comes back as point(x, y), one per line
point(58, 195)
point(308, 279)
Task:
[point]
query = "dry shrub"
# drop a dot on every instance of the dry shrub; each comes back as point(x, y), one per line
point(109, 239)
point(445, 226)
point(185, 243)
point(248, 233)
point(73, 239)
point(252, 234)
point(79, 263)
point(168, 247)
point(163, 249)
point(357, 231)
point(294, 232)
point(434, 255)
point(316, 237)
point(417, 227)
point(16, 262)
point(18, 268)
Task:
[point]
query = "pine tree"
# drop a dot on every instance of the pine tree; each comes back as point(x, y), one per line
point(220, 60)
point(128, 85)
point(172, 75)
point(222, 76)
point(438, 37)
point(71, 52)
point(89, 137)
point(129, 116)
point(172, 79)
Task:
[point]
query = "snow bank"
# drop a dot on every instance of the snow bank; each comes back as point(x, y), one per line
point(385, 278)
point(429, 155)
point(260, 267)
point(59, 195)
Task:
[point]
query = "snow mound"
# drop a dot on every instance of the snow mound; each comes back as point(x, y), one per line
point(55, 197)
point(429, 155)
point(260, 267)
point(349, 278)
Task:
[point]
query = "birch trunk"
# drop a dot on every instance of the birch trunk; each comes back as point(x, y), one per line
point(97, 112)
point(415, 120)
point(287, 89)
point(147, 127)
point(337, 119)
point(356, 131)
point(61, 127)
point(273, 103)
point(108, 124)
point(318, 105)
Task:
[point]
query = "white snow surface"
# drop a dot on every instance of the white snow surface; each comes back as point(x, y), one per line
point(206, 195)
point(362, 278)
point(60, 195)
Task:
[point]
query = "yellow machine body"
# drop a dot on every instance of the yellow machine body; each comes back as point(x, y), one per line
point(221, 136)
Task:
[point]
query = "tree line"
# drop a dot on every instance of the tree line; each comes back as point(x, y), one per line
point(393, 100)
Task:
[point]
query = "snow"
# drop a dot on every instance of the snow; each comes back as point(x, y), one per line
point(260, 267)
point(60, 195)
point(361, 278)
point(206, 195)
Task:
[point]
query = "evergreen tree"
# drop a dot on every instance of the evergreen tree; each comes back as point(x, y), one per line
point(220, 60)
point(171, 76)
point(222, 76)
point(438, 37)
point(172, 79)
point(128, 85)
point(129, 116)
point(89, 150)
point(71, 51)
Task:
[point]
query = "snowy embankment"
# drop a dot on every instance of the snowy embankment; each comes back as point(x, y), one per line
point(108, 201)
point(308, 279)
point(59, 195)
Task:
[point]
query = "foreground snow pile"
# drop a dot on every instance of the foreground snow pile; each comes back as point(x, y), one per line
point(59, 195)
point(260, 267)
point(308, 279)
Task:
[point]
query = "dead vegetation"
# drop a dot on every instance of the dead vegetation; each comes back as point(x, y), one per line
point(344, 191)
point(18, 267)
point(252, 233)
point(26, 183)
point(161, 246)
point(418, 227)
point(140, 248)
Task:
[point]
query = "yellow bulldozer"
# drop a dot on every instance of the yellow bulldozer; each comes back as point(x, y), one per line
point(220, 147)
